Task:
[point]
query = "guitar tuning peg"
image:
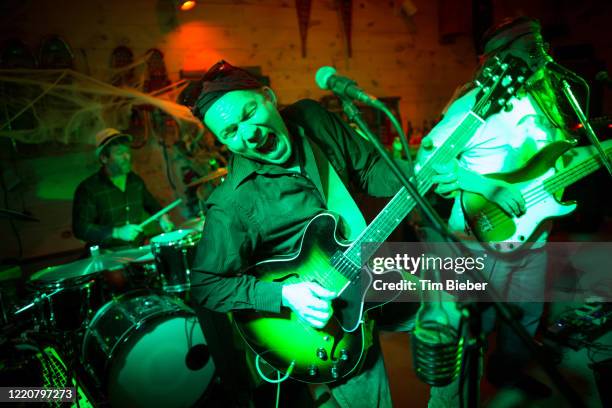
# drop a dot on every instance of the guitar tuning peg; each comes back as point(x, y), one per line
point(508, 107)
point(504, 66)
point(520, 79)
point(501, 101)
point(510, 90)
point(477, 83)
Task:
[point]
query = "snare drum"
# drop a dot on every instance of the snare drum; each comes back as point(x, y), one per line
point(174, 253)
point(147, 350)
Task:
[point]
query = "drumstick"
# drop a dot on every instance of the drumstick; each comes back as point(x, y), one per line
point(160, 213)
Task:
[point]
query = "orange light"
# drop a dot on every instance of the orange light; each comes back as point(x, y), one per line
point(187, 5)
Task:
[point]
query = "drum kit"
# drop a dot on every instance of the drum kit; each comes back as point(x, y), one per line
point(121, 319)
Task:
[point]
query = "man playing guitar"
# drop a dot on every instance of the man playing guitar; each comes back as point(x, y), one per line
point(272, 192)
point(507, 141)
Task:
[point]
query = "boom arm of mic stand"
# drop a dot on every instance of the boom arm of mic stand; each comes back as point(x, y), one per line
point(355, 116)
point(567, 90)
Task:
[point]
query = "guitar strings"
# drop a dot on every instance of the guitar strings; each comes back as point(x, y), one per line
point(542, 191)
point(394, 213)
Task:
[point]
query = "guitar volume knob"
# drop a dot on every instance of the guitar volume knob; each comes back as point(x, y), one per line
point(313, 371)
point(334, 372)
point(344, 356)
point(321, 353)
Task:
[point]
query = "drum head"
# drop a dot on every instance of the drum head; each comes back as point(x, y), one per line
point(173, 237)
point(164, 364)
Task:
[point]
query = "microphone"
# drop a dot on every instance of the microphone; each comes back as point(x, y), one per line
point(436, 351)
point(561, 71)
point(437, 348)
point(327, 79)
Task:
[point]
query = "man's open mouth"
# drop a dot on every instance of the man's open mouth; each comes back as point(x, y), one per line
point(269, 145)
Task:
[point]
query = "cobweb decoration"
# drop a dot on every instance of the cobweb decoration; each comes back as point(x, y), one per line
point(70, 107)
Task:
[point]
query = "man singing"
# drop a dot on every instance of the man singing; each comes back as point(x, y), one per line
point(272, 191)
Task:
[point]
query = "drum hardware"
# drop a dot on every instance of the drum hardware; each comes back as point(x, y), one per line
point(38, 299)
point(126, 342)
point(68, 295)
point(3, 310)
point(65, 306)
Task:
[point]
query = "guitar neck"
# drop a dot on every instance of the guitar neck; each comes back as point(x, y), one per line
point(402, 203)
point(570, 175)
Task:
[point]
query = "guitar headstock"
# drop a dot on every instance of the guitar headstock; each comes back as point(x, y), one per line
point(499, 81)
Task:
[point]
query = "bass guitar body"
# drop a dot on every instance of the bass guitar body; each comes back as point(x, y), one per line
point(503, 233)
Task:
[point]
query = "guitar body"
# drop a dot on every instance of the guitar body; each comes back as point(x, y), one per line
point(318, 355)
point(503, 233)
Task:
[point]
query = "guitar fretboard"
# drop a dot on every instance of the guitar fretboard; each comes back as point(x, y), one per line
point(402, 203)
point(570, 175)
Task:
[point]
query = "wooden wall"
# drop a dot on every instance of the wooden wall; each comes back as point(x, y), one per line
point(392, 56)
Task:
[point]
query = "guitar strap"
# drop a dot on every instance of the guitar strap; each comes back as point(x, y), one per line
point(338, 199)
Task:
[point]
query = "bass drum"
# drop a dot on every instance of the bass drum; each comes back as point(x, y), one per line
point(147, 350)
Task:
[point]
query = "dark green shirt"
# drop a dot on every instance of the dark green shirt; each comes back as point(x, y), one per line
point(99, 206)
point(261, 209)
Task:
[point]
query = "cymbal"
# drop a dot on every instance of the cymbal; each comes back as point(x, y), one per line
point(194, 223)
point(220, 172)
point(85, 267)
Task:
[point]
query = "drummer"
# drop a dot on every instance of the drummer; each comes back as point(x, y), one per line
point(109, 204)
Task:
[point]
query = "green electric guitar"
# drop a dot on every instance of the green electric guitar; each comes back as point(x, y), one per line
point(538, 182)
point(313, 355)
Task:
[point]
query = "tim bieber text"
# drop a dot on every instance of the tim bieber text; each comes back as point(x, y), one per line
point(425, 284)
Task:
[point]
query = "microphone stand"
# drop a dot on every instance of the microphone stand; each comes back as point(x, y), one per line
point(567, 90)
point(471, 312)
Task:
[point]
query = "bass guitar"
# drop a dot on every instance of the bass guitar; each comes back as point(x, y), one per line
point(305, 353)
point(538, 182)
